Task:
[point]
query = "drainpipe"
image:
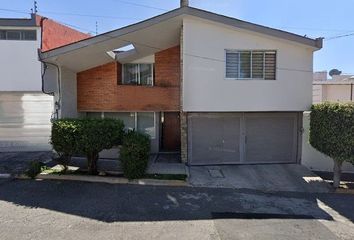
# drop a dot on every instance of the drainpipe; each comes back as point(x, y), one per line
point(351, 92)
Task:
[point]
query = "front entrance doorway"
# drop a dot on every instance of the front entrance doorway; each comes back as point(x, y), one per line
point(170, 132)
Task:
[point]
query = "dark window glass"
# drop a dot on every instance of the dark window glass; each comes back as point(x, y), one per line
point(29, 35)
point(130, 74)
point(245, 65)
point(270, 66)
point(13, 35)
point(138, 74)
point(2, 34)
point(145, 74)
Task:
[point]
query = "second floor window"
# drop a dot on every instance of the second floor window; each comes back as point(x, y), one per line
point(18, 34)
point(138, 74)
point(250, 64)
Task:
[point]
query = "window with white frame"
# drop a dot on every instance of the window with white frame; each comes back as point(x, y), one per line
point(143, 122)
point(251, 64)
point(138, 74)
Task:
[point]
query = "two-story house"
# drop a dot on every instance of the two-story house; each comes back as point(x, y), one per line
point(25, 111)
point(217, 89)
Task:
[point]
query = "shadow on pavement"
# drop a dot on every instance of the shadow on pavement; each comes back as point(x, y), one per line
point(112, 203)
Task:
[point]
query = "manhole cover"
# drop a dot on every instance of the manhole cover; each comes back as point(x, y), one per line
point(216, 173)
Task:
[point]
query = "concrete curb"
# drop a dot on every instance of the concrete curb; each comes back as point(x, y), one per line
point(111, 180)
point(5, 175)
point(344, 191)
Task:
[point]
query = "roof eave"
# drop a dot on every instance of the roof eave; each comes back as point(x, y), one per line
point(314, 43)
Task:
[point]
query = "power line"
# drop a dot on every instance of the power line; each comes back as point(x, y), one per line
point(13, 10)
point(88, 15)
point(77, 27)
point(142, 5)
point(339, 36)
point(317, 29)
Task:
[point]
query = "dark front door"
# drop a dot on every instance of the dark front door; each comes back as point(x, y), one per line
point(171, 133)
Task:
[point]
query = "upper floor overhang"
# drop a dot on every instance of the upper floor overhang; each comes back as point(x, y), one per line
point(151, 36)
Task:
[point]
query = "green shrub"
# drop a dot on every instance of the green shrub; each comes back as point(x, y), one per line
point(134, 154)
point(34, 168)
point(85, 136)
point(97, 135)
point(64, 138)
point(332, 133)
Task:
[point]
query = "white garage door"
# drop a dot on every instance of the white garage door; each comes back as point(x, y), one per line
point(25, 121)
point(242, 138)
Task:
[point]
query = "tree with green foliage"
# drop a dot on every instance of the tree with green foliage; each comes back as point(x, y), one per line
point(332, 133)
point(134, 154)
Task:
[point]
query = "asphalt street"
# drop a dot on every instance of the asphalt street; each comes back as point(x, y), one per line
point(76, 210)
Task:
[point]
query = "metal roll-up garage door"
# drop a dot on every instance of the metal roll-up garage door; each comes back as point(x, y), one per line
point(25, 121)
point(270, 137)
point(242, 138)
point(214, 138)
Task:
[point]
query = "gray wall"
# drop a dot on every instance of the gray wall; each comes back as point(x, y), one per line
point(68, 106)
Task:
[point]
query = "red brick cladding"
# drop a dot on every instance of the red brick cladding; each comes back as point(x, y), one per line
point(97, 88)
point(56, 35)
point(167, 67)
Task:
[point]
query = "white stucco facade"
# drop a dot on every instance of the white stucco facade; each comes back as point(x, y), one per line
point(206, 89)
point(20, 68)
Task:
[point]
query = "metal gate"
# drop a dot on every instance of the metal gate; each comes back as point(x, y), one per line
point(25, 121)
point(242, 138)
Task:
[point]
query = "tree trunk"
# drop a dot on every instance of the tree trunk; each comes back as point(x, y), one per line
point(337, 172)
point(92, 163)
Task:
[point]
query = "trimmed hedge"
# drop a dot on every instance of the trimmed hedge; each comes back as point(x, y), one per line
point(134, 154)
point(64, 138)
point(97, 135)
point(85, 136)
point(332, 130)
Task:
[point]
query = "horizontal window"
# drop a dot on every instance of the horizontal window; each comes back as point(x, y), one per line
point(138, 74)
point(251, 64)
point(18, 35)
point(143, 122)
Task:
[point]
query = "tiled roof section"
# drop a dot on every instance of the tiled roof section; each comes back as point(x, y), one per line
point(56, 34)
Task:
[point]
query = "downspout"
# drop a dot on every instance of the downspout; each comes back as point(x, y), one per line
point(351, 92)
point(57, 103)
point(55, 115)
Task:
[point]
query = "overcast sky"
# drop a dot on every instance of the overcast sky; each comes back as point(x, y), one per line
point(315, 18)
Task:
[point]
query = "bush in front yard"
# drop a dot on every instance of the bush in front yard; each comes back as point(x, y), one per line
point(64, 138)
point(97, 135)
point(85, 136)
point(34, 168)
point(134, 154)
point(332, 133)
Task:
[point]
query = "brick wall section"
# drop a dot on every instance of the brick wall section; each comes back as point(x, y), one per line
point(97, 88)
point(56, 35)
point(167, 67)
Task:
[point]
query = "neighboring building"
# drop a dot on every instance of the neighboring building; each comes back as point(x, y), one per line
point(217, 89)
point(25, 111)
point(338, 89)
